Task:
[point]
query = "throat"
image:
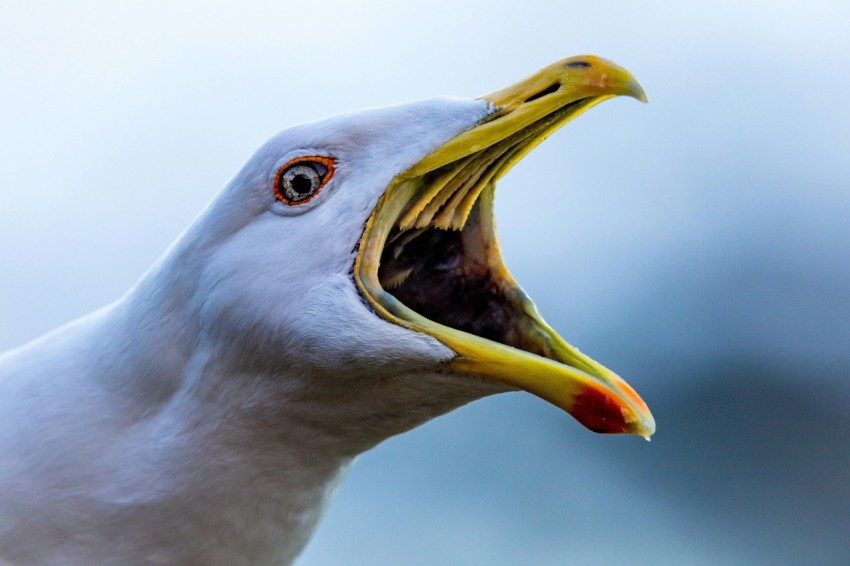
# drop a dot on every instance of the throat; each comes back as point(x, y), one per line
point(456, 278)
point(434, 273)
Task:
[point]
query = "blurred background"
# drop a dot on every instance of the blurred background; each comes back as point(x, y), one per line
point(699, 245)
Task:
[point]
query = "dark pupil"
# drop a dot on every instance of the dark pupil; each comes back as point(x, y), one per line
point(302, 184)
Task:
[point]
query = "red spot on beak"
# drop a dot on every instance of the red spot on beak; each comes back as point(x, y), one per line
point(599, 411)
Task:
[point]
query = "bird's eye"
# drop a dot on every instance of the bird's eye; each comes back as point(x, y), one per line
point(302, 178)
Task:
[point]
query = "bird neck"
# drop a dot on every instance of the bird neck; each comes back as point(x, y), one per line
point(191, 411)
point(245, 448)
point(180, 448)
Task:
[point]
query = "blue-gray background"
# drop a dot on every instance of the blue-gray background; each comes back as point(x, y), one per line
point(699, 245)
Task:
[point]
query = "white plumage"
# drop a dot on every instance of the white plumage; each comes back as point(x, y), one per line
point(205, 417)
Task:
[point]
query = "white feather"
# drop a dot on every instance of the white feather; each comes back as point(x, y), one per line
point(207, 416)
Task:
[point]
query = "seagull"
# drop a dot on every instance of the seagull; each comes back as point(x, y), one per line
point(345, 286)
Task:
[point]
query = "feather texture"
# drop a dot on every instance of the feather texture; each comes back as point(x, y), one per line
point(207, 416)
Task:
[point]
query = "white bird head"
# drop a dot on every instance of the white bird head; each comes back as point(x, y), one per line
point(344, 287)
point(361, 249)
point(282, 239)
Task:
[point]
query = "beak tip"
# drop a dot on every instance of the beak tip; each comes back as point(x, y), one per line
point(635, 90)
point(643, 424)
point(647, 429)
point(603, 410)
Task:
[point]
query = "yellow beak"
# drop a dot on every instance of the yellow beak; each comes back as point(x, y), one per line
point(452, 189)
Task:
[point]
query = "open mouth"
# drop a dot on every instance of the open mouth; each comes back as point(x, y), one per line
point(429, 258)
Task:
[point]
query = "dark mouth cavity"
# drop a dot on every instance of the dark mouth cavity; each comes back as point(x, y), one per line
point(443, 273)
point(443, 276)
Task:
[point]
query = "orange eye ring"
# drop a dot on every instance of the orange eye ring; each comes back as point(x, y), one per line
point(302, 178)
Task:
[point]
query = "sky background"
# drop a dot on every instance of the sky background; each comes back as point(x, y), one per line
point(698, 245)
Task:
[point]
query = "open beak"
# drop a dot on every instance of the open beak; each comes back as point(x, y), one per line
point(429, 259)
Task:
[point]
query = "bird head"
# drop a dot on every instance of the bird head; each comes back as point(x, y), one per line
point(363, 247)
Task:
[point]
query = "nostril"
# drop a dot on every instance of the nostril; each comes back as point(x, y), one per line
point(577, 65)
point(549, 90)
